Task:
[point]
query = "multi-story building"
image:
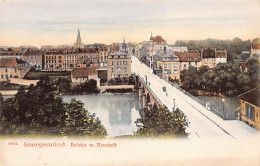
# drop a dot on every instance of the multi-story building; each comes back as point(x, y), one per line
point(255, 48)
point(190, 58)
point(212, 57)
point(250, 107)
point(118, 65)
point(67, 59)
point(221, 57)
point(12, 53)
point(34, 58)
point(13, 68)
point(168, 67)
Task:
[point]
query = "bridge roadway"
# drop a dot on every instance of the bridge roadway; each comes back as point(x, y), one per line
point(203, 123)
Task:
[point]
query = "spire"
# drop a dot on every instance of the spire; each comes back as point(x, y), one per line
point(124, 40)
point(78, 37)
point(151, 38)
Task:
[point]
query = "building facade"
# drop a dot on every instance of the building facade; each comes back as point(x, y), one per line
point(190, 58)
point(118, 65)
point(250, 107)
point(168, 67)
point(13, 68)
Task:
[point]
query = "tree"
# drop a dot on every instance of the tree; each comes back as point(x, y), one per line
point(80, 122)
point(40, 111)
point(162, 122)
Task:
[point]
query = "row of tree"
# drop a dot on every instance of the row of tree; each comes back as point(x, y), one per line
point(40, 110)
point(233, 47)
point(227, 78)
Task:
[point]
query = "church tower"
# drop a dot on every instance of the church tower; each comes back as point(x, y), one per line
point(151, 38)
point(79, 43)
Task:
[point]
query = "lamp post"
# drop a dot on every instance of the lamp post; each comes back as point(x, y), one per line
point(223, 101)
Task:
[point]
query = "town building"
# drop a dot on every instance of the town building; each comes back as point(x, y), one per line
point(211, 57)
point(34, 58)
point(81, 75)
point(12, 53)
point(118, 65)
point(13, 68)
point(250, 107)
point(255, 48)
point(190, 58)
point(168, 67)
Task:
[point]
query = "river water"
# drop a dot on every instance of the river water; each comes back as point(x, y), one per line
point(117, 112)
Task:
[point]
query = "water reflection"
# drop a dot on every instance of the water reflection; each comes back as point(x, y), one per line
point(117, 113)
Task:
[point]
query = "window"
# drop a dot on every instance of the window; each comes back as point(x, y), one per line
point(124, 69)
point(59, 57)
point(6, 76)
point(175, 65)
point(189, 63)
point(11, 70)
point(2, 76)
point(60, 61)
point(175, 71)
point(2, 70)
point(112, 69)
point(112, 76)
point(125, 62)
point(112, 63)
point(6, 70)
point(11, 76)
point(250, 112)
point(118, 62)
point(165, 65)
point(119, 75)
point(196, 63)
point(118, 69)
point(169, 65)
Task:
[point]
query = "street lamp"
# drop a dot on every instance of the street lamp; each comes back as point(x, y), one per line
point(223, 101)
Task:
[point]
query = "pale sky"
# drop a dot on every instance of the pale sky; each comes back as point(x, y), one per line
point(43, 22)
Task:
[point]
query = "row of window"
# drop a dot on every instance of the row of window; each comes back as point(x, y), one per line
point(6, 76)
point(170, 66)
point(8, 70)
point(118, 69)
point(168, 71)
point(118, 75)
point(119, 63)
point(112, 56)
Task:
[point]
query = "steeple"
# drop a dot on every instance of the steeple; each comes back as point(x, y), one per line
point(124, 40)
point(78, 37)
point(151, 38)
point(79, 43)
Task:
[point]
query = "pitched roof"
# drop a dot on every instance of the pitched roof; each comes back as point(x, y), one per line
point(256, 45)
point(158, 39)
point(9, 63)
point(208, 53)
point(251, 96)
point(221, 54)
point(190, 56)
point(83, 72)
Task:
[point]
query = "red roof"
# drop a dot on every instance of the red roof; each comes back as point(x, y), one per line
point(158, 39)
point(190, 56)
point(83, 72)
point(9, 63)
point(256, 45)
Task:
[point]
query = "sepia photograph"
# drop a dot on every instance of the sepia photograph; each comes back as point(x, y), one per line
point(129, 82)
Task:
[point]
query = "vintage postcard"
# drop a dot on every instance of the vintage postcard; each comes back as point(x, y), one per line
point(129, 82)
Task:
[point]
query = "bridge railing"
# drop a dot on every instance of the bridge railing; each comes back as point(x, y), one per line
point(150, 90)
point(208, 106)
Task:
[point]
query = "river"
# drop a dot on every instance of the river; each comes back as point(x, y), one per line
point(117, 112)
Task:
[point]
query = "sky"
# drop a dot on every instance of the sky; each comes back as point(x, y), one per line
point(46, 22)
